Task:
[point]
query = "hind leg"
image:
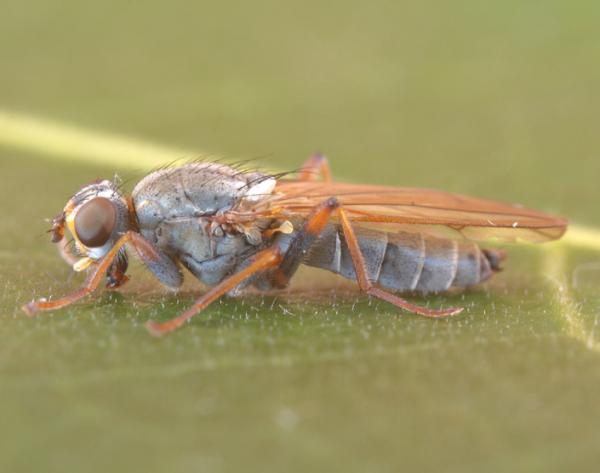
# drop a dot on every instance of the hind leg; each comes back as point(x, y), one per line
point(316, 166)
point(367, 286)
point(304, 240)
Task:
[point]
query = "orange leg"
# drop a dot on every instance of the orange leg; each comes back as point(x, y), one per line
point(303, 241)
point(144, 249)
point(264, 260)
point(367, 286)
point(317, 165)
point(58, 237)
point(65, 252)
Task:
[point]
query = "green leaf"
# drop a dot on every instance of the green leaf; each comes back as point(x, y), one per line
point(496, 100)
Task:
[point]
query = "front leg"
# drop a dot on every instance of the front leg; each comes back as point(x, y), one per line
point(115, 276)
point(157, 262)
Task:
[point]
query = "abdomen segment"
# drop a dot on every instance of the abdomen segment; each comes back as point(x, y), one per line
point(406, 261)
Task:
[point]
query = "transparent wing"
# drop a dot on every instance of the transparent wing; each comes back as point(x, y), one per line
point(413, 209)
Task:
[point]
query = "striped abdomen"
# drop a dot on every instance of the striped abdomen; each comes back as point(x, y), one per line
point(406, 261)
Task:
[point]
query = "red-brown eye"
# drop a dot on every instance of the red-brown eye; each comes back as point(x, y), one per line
point(95, 222)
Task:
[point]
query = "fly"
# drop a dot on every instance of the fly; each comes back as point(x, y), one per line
point(233, 229)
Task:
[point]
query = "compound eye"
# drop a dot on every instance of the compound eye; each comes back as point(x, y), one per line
point(95, 222)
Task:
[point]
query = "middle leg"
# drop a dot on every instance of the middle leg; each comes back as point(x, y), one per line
point(262, 261)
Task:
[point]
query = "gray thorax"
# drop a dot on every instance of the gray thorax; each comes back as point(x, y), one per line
point(176, 209)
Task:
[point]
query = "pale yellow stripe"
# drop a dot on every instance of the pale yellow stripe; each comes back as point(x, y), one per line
point(52, 138)
point(555, 270)
point(582, 237)
point(47, 137)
